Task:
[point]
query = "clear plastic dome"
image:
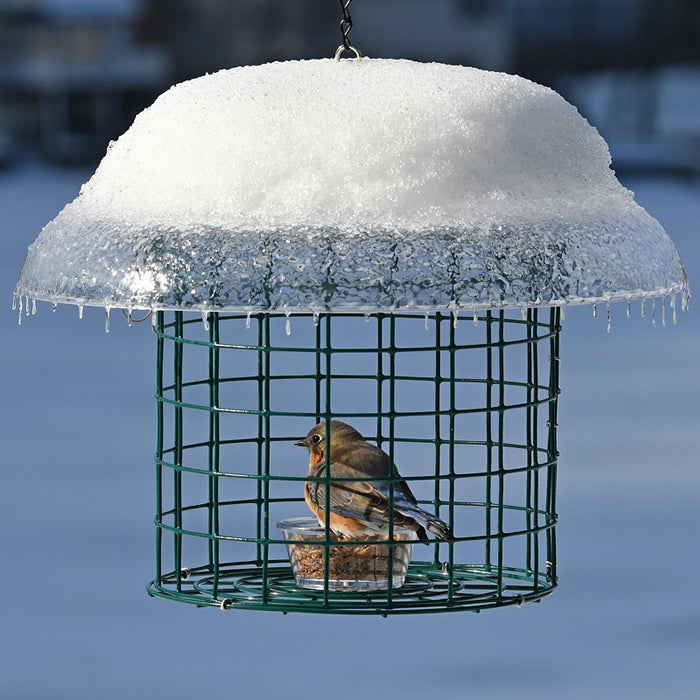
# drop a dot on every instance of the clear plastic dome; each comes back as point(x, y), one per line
point(353, 185)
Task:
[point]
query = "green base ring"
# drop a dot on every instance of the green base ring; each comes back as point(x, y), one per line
point(426, 590)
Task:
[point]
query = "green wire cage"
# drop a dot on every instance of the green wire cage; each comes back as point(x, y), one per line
point(308, 261)
point(468, 413)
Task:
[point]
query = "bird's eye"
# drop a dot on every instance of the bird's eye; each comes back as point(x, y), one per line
point(316, 439)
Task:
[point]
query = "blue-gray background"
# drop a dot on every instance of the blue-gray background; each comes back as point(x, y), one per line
point(77, 499)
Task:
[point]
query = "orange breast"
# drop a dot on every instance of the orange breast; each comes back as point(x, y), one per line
point(315, 458)
point(318, 512)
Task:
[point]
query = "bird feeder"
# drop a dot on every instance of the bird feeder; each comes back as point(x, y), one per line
point(387, 243)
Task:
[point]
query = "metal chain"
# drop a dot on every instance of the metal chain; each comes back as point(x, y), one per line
point(346, 23)
point(345, 29)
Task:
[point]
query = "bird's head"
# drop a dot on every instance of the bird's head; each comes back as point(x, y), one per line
point(341, 435)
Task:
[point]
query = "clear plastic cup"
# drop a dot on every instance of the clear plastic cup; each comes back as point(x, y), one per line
point(352, 565)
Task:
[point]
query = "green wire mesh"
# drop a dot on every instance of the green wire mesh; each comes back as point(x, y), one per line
point(466, 407)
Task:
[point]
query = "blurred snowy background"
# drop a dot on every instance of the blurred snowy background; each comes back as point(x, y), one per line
point(77, 430)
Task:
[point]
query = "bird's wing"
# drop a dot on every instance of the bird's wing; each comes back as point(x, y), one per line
point(404, 489)
point(367, 501)
point(370, 461)
point(360, 500)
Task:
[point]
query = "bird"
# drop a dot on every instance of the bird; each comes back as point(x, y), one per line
point(361, 508)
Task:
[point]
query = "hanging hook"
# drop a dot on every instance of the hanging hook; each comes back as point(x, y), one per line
point(342, 49)
point(345, 29)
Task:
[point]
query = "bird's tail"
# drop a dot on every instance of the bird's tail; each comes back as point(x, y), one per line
point(429, 522)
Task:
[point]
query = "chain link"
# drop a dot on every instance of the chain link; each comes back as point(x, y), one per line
point(345, 29)
point(346, 23)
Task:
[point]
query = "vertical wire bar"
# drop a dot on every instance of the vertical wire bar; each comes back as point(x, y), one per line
point(528, 443)
point(552, 449)
point(323, 320)
point(261, 438)
point(214, 450)
point(159, 445)
point(392, 435)
point(327, 470)
point(318, 380)
point(177, 459)
point(438, 429)
point(451, 453)
point(531, 334)
point(501, 437)
point(489, 436)
point(381, 377)
point(264, 514)
point(536, 409)
point(536, 429)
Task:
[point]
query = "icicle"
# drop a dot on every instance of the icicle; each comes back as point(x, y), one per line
point(317, 318)
point(367, 316)
point(80, 312)
point(205, 320)
point(609, 322)
point(19, 321)
point(26, 306)
point(455, 318)
point(673, 308)
point(663, 311)
point(644, 308)
point(14, 302)
point(33, 307)
point(288, 325)
point(107, 312)
point(54, 306)
point(563, 313)
point(629, 309)
point(476, 317)
point(653, 312)
point(685, 300)
point(427, 321)
point(247, 321)
point(595, 311)
point(523, 313)
point(129, 320)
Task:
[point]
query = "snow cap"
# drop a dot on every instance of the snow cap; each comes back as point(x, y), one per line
point(353, 185)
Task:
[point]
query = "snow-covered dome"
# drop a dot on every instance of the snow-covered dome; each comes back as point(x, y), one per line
point(353, 185)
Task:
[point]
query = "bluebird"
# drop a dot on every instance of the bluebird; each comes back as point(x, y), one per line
point(359, 508)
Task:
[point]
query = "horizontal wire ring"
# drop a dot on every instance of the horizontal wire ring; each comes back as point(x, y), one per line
point(131, 319)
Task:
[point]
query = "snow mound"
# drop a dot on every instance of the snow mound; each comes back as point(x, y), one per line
point(353, 185)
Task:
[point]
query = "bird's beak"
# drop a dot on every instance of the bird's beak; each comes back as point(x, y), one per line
point(301, 443)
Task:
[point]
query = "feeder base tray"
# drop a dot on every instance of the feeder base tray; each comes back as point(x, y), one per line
point(426, 589)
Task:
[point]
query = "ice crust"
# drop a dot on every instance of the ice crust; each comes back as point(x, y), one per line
point(353, 185)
